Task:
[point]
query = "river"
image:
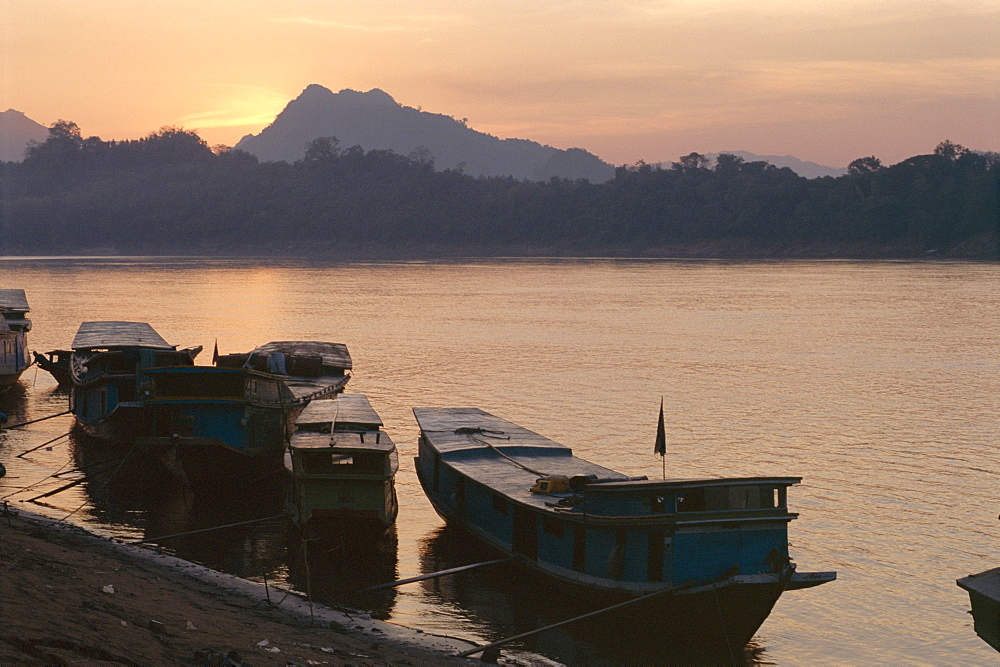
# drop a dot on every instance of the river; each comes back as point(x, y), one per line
point(876, 382)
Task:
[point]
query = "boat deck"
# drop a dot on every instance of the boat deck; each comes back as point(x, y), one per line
point(985, 583)
point(500, 454)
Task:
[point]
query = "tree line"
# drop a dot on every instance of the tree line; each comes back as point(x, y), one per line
point(171, 193)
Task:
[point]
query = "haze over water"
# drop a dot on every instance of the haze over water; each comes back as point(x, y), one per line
point(878, 383)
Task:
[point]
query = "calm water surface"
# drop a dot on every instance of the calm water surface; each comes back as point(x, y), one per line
point(878, 383)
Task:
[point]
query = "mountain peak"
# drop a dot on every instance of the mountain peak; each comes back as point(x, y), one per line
point(17, 131)
point(375, 96)
point(318, 94)
point(374, 120)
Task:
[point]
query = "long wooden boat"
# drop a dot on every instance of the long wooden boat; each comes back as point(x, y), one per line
point(984, 596)
point(14, 328)
point(341, 466)
point(706, 558)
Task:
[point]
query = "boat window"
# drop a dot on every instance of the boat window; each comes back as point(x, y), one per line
point(126, 392)
point(553, 527)
point(579, 547)
point(207, 385)
point(325, 462)
point(499, 504)
point(657, 504)
point(692, 500)
point(654, 558)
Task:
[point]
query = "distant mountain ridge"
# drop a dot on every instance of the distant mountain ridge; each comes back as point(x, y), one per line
point(16, 131)
point(374, 120)
point(803, 168)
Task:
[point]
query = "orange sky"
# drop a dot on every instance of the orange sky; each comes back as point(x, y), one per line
point(823, 80)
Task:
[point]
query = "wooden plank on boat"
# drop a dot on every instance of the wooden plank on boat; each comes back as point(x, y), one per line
point(335, 355)
point(13, 300)
point(356, 410)
point(97, 335)
point(321, 412)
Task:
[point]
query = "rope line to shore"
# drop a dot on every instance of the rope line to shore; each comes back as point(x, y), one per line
point(31, 486)
point(47, 442)
point(103, 486)
point(205, 530)
point(40, 419)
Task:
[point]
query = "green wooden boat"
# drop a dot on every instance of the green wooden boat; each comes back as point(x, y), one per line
point(342, 467)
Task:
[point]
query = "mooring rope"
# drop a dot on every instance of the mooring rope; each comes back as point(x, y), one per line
point(40, 419)
point(47, 442)
point(512, 460)
point(205, 530)
point(103, 486)
point(31, 486)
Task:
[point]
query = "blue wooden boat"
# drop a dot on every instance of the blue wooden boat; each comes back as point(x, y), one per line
point(14, 328)
point(109, 372)
point(705, 559)
point(341, 466)
point(236, 417)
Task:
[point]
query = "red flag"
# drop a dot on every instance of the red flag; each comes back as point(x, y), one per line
point(661, 434)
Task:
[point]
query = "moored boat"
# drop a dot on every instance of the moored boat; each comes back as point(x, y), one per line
point(109, 373)
point(234, 418)
point(704, 559)
point(14, 327)
point(341, 466)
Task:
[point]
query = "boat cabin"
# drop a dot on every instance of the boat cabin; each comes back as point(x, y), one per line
point(108, 364)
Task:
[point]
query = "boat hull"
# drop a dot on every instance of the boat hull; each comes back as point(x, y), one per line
point(8, 379)
point(710, 622)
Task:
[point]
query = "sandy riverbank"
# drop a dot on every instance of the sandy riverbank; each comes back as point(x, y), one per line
point(70, 597)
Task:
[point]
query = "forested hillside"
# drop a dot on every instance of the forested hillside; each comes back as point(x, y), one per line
point(170, 193)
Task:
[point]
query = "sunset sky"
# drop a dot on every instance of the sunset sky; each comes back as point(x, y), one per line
point(823, 80)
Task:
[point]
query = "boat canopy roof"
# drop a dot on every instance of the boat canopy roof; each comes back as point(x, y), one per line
point(334, 355)
point(107, 335)
point(13, 300)
point(345, 409)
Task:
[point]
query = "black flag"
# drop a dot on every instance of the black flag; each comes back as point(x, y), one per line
point(215, 354)
point(661, 434)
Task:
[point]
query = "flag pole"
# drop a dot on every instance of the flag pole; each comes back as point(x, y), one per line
point(661, 441)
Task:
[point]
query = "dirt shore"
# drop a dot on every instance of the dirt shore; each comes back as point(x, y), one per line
point(68, 597)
